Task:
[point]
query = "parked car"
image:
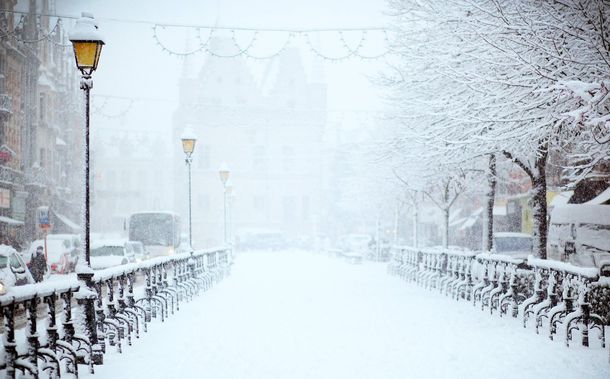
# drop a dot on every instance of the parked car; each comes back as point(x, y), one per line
point(110, 253)
point(13, 270)
point(355, 247)
point(138, 250)
point(62, 252)
point(517, 245)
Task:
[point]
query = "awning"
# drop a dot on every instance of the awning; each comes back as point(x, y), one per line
point(10, 221)
point(69, 223)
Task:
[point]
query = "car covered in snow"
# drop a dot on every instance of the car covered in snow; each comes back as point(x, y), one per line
point(516, 245)
point(13, 270)
point(61, 253)
point(138, 250)
point(580, 234)
point(355, 247)
point(110, 253)
point(255, 239)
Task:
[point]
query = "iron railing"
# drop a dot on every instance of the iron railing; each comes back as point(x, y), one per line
point(547, 293)
point(122, 311)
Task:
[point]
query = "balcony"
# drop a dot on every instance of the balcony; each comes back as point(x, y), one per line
point(6, 106)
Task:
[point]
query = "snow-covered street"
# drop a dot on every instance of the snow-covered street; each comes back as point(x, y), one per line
point(294, 314)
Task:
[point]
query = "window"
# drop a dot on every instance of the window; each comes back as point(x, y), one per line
point(288, 158)
point(42, 107)
point(258, 158)
point(203, 204)
point(204, 157)
point(305, 208)
point(288, 208)
point(41, 158)
point(258, 203)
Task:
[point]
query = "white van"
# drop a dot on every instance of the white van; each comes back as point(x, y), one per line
point(580, 234)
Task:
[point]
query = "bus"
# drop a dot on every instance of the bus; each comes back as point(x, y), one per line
point(158, 231)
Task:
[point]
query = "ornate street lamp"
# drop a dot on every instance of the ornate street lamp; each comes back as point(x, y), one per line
point(87, 43)
point(188, 146)
point(224, 173)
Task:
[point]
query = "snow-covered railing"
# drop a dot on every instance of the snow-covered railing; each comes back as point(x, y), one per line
point(552, 293)
point(97, 311)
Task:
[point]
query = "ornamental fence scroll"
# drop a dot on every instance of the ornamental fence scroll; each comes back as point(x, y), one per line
point(57, 335)
point(545, 293)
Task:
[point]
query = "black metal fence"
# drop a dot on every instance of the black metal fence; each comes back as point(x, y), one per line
point(82, 318)
point(549, 294)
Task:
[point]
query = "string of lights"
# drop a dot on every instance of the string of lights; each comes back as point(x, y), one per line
point(203, 44)
point(100, 109)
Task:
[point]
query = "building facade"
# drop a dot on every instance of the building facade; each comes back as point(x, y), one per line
point(40, 123)
point(270, 134)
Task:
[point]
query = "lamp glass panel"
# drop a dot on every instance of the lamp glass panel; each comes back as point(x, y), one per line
point(224, 175)
point(86, 53)
point(188, 146)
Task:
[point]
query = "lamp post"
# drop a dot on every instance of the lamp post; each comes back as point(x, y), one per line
point(224, 173)
point(228, 219)
point(188, 146)
point(87, 43)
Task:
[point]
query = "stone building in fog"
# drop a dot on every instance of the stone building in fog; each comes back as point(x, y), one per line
point(270, 134)
point(40, 123)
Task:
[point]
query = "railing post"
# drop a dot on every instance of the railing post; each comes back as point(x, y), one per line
point(86, 297)
point(32, 335)
point(10, 346)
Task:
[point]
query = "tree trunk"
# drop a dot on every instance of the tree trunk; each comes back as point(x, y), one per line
point(445, 227)
point(415, 226)
point(539, 206)
point(488, 226)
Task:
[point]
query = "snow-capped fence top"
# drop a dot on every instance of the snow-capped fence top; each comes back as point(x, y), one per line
point(500, 258)
point(564, 267)
point(39, 290)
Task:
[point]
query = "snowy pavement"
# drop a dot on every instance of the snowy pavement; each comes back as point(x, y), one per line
point(293, 315)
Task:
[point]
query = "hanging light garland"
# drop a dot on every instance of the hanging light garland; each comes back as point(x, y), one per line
point(203, 44)
point(100, 109)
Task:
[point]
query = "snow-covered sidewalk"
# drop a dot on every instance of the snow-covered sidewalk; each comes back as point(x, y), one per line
point(294, 315)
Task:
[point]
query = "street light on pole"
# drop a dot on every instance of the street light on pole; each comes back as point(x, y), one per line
point(188, 146)
point(87, 43)
point(228, 195)
point(224, 173)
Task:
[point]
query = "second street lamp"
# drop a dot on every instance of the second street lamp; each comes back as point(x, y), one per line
point(188, 146)
point(224, 173)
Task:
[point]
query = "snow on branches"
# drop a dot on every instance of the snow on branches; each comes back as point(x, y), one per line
point(516, 78)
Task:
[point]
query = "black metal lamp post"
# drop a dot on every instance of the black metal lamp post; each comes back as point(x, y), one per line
point(224, 173)
point(228, 195)
point(87, 43)
point(188, 146)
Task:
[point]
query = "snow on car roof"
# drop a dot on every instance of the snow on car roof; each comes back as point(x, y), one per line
point(7, 250)
point(108, 242)
point(511, 234)
point(582, 214)
point(61, 236)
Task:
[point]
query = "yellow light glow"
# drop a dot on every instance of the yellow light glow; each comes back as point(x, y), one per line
point(87, 54)
point(188, 145)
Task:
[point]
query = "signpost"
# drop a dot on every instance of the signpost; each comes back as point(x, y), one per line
point(44, 223)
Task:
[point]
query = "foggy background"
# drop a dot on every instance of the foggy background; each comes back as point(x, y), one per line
point(292, 164)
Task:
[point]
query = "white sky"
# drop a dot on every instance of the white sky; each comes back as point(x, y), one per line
point(132, 65)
